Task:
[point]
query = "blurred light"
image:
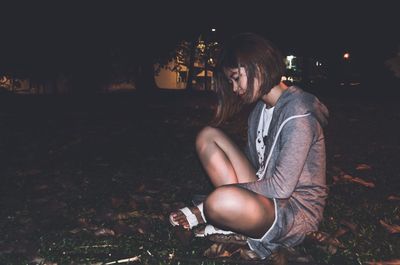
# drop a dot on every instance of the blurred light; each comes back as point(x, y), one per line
point(346, 56)
point(289, 59)
point(212, 30)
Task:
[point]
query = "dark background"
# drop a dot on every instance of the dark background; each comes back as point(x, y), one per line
point(53, 29)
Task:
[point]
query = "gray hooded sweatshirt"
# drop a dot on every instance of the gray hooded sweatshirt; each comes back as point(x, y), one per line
point(295, 155)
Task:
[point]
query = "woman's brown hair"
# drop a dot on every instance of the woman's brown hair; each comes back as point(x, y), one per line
point(260, 58)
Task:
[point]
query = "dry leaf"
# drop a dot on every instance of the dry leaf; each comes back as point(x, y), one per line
point(83, 221)
point(387, 262)
point(232, 238)
point(248, 254)
point(341, 231)
point(104, 232)
point(358, 180)
point(141, 188)
point(143, 226)
point(126, 215)
point(326, 242)
point(353, 227)
point(392, 229)
point(393, 198)
point(221, 250)
point(76, 230)
point(363, 167)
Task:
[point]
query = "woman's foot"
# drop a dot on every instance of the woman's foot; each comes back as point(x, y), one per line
point(188, 217)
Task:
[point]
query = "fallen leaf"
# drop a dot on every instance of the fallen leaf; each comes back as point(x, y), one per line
point(393, 198)
point(278, 257)
point(387, 262)
point(341, 231)
point(143, 226)
point(126, 215)
point(363, 167)
point(141, 188)
point(221, 238)
point(392, 229)
point(83, 221)
point(104, 232)
point(323, 238)
point(327, 243)
point(76, 230)
point(353, 227)
point(358, 180)
point(248, 254)
point(221, 250)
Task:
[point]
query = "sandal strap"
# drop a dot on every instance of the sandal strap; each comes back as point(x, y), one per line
point(200, 207)
point(190, 217)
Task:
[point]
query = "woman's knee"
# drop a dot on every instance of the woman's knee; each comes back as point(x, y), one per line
point(206, 136)
point(222, 202)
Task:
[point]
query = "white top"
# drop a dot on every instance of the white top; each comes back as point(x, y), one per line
point(262, 132)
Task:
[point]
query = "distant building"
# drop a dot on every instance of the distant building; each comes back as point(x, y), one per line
point(171, 76)
point(175, 76)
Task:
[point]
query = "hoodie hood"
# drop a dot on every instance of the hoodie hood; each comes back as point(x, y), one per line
point(302, 102)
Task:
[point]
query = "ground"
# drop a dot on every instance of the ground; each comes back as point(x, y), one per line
point(92, 180)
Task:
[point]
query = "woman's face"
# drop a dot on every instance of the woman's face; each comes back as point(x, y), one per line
point(238, 79)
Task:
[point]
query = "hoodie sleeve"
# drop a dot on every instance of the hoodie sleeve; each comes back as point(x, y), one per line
point(296, 138)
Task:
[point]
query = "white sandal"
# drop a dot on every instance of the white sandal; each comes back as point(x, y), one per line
point(211, 230)
point(190, 217)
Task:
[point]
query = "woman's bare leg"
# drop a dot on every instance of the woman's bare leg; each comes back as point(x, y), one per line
point(222, 159)
point(237, 209)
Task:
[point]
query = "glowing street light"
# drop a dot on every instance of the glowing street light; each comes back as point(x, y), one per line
point(213, 29)
point(346, 56)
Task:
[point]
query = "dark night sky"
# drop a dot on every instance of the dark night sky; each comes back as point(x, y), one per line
point(313, 28)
